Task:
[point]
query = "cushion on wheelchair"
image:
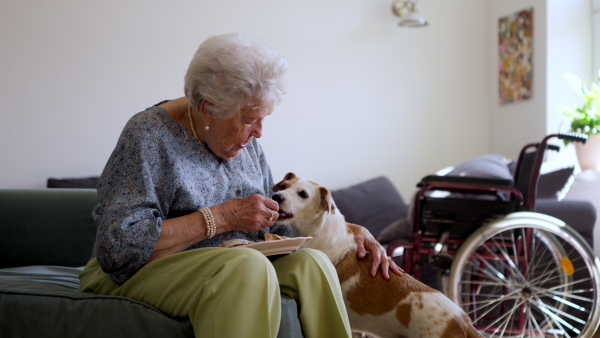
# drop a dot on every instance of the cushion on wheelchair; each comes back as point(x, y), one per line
point(488, 165)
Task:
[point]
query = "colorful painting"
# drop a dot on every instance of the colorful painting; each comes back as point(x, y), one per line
point(515, 35)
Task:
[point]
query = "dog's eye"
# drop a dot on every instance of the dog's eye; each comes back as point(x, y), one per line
point(303, 194)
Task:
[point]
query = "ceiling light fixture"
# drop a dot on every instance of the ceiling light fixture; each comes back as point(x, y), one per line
point(407, 11)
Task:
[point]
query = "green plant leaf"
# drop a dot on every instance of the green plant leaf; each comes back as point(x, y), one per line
point(584, 118)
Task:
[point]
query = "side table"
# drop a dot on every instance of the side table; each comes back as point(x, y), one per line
point(586, 186)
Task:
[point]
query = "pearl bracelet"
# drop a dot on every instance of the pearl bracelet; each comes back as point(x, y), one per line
point(211, 228)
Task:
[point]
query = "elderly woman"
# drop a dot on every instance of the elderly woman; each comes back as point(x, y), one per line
point(187, 175)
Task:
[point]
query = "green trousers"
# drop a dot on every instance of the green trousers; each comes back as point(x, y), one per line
point(235, 292)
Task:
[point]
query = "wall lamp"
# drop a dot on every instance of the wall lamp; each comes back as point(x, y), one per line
point(406, 10)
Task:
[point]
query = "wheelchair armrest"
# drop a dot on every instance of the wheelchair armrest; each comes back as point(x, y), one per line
point(464, 181)
point(392, 248)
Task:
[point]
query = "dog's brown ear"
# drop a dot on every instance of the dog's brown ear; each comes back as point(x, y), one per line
point(326, 200)
point(283, 185)
point(278, 186)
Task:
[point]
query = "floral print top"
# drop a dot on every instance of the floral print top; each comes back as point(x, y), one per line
point(158, 170)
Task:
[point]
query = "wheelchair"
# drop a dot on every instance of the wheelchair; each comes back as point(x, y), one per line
point(515, 272)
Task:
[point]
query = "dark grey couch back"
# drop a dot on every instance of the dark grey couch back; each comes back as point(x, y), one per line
point(46, 226)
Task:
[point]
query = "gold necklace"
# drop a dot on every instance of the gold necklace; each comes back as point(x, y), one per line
point(192, 122)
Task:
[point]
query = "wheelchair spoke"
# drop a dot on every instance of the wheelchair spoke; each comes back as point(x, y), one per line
point(566, 302)
point(538, 303)
point(562, 294)
point(503, 316)
point(493, 304)
point(545, 277)
point(533, 324)
point(547, 319)
point(587, 279)
point(559, 318)
point(493, 279)
point(539, 261)
point(513, 242)
point(512, 265)
point(492, 299)
point(505, 324)
point(489, 270)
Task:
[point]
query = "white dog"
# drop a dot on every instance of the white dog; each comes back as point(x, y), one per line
point(399, 307)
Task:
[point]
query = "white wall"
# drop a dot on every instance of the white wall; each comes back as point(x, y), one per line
point(561, 44)
point(366, 97)
point(515, 124)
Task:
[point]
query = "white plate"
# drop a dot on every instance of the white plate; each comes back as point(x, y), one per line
point(278, 247)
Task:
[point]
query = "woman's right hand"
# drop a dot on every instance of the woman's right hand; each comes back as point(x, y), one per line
point(250, 213)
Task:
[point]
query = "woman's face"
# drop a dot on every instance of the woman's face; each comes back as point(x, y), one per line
point(228, 137)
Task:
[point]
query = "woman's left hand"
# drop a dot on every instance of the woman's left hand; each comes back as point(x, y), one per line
point(367, 243)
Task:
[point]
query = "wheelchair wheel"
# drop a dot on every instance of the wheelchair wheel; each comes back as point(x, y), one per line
point(527, 275)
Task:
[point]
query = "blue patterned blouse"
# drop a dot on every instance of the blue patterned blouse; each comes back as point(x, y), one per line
point(158, 170)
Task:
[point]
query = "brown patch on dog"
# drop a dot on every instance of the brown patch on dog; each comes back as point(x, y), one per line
point(280, 186)
point(326, 200)
point(460, 327)
point(287, 182)
point(403, 314)
point(366, 296)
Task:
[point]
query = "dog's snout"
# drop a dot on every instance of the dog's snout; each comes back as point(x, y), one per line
point(278, 198)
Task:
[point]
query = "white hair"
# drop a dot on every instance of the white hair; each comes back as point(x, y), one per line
point(233, 70)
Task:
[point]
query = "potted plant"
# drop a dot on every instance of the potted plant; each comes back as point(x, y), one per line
point(585, 118)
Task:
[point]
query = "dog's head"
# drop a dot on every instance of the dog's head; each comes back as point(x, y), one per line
point(301, 201)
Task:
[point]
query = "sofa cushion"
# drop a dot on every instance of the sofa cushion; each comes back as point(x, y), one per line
point(373, 204)
point(50, 295)
point(46, 226)
point(555, 184)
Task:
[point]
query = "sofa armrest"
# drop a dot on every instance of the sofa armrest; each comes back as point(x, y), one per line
point(46, 226)
point(579, 215)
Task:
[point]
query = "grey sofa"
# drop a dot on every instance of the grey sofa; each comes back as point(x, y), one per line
point(46, 238)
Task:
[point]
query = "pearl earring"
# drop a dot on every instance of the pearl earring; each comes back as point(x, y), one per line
point(206, 127)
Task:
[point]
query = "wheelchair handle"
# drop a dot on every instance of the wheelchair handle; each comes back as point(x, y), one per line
point(573, 137)
point(531, 191)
